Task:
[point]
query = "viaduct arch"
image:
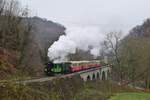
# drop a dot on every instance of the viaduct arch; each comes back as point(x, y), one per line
point(99, 74)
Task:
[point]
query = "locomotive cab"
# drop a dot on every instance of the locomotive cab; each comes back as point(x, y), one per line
point(57, 68)
point(48, 68)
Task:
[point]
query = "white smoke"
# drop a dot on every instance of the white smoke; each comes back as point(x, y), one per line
point(77, 37)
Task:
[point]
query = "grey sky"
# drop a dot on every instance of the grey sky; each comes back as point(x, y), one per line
point(107, 14)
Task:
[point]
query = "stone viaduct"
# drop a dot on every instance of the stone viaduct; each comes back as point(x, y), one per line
point(102, 73)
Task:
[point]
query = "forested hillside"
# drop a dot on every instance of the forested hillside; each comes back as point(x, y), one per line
point(24, 40)
point(131, 55)
point(141, 30)
point(43, 34)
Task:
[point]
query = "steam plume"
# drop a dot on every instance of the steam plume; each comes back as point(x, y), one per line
point(84, 38)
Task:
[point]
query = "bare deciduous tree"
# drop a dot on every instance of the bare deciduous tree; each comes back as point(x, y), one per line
point(112, 43)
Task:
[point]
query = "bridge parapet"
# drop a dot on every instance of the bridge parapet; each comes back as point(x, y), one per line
point(101, 73)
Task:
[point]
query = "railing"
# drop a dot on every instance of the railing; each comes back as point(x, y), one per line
point(44, 79)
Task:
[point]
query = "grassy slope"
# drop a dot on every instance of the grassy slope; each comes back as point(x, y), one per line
point(62, 89)
point(131, 96)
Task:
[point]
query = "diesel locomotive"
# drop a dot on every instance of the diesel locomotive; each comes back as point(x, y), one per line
point(52, 69)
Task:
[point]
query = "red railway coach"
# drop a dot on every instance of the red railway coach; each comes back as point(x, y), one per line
point(83, 65)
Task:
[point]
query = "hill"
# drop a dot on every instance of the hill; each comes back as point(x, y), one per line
point(134, 55)
point(43, 34)
point(24, 47)
point(141, 30)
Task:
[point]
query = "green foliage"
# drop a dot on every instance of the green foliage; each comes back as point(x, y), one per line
point(13, 91)
point(76, 89)
point(62, 89)
point(131, 96)
point(135, 59)
point(134, 55)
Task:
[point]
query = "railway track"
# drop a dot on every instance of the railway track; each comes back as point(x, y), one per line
point(45, 79)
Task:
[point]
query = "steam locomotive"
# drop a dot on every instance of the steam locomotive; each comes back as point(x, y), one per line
point(52, 69)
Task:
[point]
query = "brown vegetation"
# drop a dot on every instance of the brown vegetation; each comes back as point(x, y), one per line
point(7, 63)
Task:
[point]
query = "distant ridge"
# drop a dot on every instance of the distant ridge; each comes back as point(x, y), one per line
point(141, 30)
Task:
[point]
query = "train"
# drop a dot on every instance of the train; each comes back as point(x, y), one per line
point(52, 69)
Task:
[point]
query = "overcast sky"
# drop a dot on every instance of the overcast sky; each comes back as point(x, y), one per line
point(106, 14)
